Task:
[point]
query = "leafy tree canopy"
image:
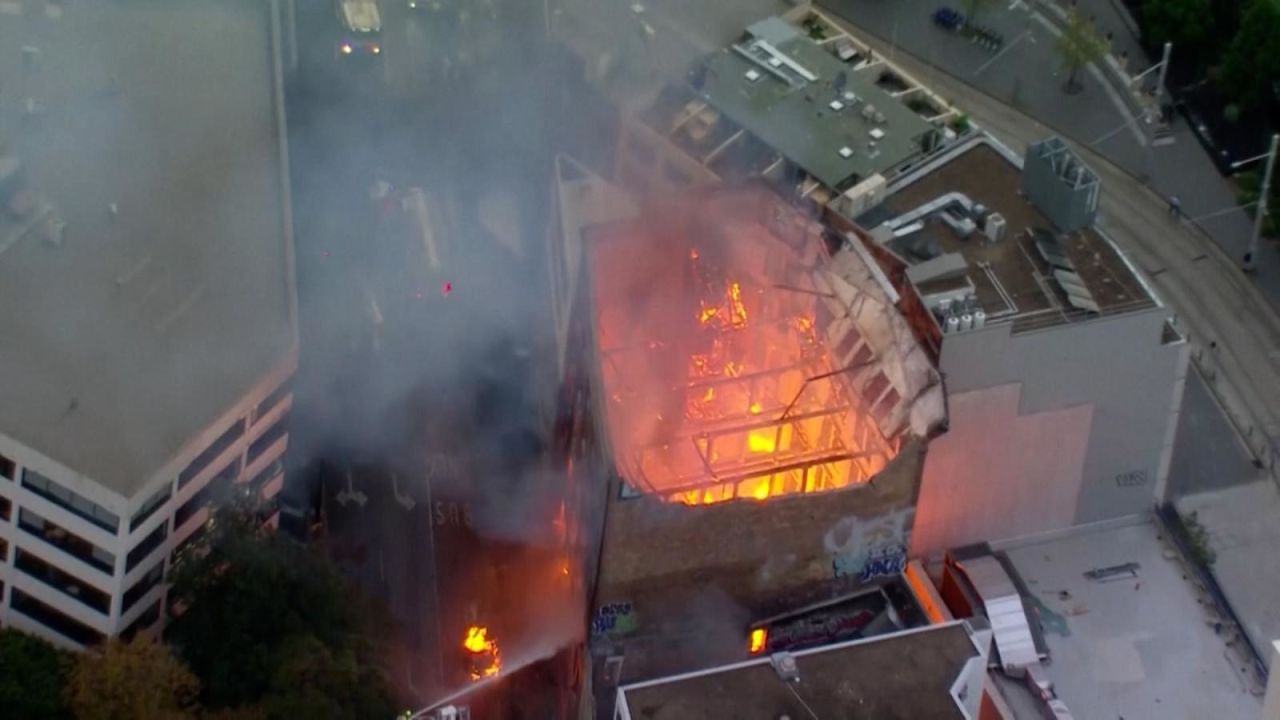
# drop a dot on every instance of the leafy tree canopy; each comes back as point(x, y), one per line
point(136, 679)
point(269, 626)
point(1188, 24)
point(1079, 45)
point(31, 677)
point(1251, 66)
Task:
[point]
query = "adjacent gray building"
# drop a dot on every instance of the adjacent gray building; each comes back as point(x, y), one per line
point(1062, 370)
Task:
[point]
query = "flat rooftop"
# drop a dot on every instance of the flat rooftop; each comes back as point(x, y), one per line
point(1132, 647)
point(1010, 279)
point(905, 675)
point(147, 323)
point(785, 98)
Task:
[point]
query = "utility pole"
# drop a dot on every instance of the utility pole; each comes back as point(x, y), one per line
point(1251, 254)
point(1150, 130)
point(1164, 72)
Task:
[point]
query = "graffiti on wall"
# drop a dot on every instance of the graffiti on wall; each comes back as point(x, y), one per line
point(868, 548)
point(614, 619)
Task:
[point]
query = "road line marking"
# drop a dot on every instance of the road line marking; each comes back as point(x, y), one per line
point(1000, 54)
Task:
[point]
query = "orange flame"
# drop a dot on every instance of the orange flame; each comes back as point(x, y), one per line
point(758, 638)
point(761, 441)
point(737, 311)
point(477, 643)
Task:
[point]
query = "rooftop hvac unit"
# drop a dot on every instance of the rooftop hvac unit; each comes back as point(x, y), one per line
point(966, 322)
point(995, 227)
point(952, 325)
point(864, 196)
point(979, 319)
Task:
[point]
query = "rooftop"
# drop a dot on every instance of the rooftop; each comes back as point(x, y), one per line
point(1132, 646)
point(814, 109)
point(1012, 279)
point(904, 675)
point(168, 297)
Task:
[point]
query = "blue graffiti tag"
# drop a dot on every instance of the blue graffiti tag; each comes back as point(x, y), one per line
point(884, 566)
point(613, 618)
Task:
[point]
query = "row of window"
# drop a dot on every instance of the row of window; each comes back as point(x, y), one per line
point(62, 581)
point(66, 541)
point(142, 587)
point(231, 435)
point(49, 617)
point(211, 453)
point(67, 500)
point(218, 488)
point(149, 508)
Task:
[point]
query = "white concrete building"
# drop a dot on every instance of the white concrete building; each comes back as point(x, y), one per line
point(147, 309)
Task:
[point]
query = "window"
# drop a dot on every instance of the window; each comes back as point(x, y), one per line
point(66, 541)
point(267, 438)
point(211, 453)
point(62, 581)
point(53, 619)
point(190, 546)
point(144, 621)
point(218, 488)
point(6, 507)
point(269, 402)
point(150, 506)
point(142, 587)
point(7, 468)
point(146, 547)
point(262, 478)
point(67, 500)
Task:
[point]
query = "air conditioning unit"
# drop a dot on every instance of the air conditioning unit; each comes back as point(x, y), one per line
point(863, 196)
point(995, 227)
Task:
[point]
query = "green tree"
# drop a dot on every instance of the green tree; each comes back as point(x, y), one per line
point(1188, 24)
point(1078, 46)
point(974, 9)
point(32, 673)
point(1251, 65)
point(135, 679)
point(251, 599)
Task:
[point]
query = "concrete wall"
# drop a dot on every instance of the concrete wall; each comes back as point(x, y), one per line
point(1049, 428)
point(679, 585)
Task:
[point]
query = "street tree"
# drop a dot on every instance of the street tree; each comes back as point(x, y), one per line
point(1078, 46)
point(1188, 24)
point(1251, 65)
point(135, 679)
point(32, 673)
point(249, 599)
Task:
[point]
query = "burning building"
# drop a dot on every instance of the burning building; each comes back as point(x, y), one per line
point(757, 403)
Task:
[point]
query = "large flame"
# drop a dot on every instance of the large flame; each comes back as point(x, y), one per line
point(486, 660)
point(721, 384)
point(759, 637)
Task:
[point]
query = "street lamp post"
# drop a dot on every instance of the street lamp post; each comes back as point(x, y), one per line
point(1250, 261)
